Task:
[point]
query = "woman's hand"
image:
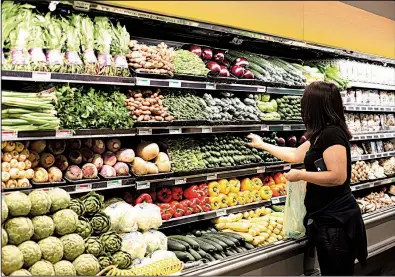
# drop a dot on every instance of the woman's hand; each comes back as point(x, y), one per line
point(293, 175)
point(256, 141)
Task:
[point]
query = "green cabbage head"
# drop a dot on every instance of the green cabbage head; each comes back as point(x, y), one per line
point(42, 268)
point(18, 203)
point(86, 265)
point(21, 272)
point(41, 202)
point(4, 210)
point(60, 199)
point(73, 246)
point(65, 221)
point(31, 252)
point(19, 229)
point(11, 259)
point(52, 249)
point(4, 237)
point(64, 268)
point(43, 227)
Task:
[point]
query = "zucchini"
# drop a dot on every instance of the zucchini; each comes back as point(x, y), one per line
point(210, 257)
point(277, 208)
point(248, 245)
point(202, 253)
point(188, 240)
point(184, 256)
point(243, 248)
point(195, 254)
point(236, 236)
point(227, 253)
point(222, 254)
point(238, 250)
point(217, 256)
point(226, 240)
point(174, 245)
point(187, 246)
point(216, 240)
point(234, 252)
point(205, 246)
point(218, 247)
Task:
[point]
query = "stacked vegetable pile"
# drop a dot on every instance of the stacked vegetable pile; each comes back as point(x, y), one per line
point(34, 243)
point(184, 105)
point(187, 63)
point(331, 71)
point(85, 108)
point(268, 108)
point(311, 73)
point(289, 107)
point(151, 59)
point(150, 160)
point(28, 111)
point(377, 200)
point(15, 167)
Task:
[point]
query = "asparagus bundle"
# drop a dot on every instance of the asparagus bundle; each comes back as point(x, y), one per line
point(28, 111)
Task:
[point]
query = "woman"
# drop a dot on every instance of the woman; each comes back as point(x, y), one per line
point(333, 219)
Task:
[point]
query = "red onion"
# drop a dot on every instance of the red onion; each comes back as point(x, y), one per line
point(224, 72)
point(237, 71)
point(196, 50)
point(226, 63)
point(241, 62)
point(219, 56)
point(248, 74)
point(214, 67)
point(207, 54)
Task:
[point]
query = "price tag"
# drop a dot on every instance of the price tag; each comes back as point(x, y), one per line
point(275, 200)
point(114, 183)
point(379, 155)
point(363, 108)
point(83, 187)
point(180, 181)
point(142, 185)
point(175, 131)
point(212, 177)
point(353, 188)
point(221, 213)
point(287, 128)
point(41, 76)
point(81, 6)
point(63, 133)
point(9, 135)
point(211, 86)
point(382, 136)
point(206, 130)
point(381, 108)
point(371, 185)
point(368, 137)
point(264, 128)
point(261, 89)
point(260, 170)
point(375, 108)
point(144, 132)
point(174, 84)
point(287, 167)
point(278, 242)
point(47, 189)
point(388, 109)
point(142, 82)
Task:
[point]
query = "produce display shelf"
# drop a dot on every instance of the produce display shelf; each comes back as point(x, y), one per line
point(371, 184)
point(289, 91)
point(373, 156)
point(370, 86)
point(65, 78)
point(380, 135)
point(362, 108)
point(213, 214)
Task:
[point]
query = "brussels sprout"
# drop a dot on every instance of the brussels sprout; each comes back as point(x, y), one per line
point(73, 246)
point(86, 265)
point(111, 241)
point(4, 210)
point(122, 259)
point(18, 203)
point(65, 221)
point(43, 227)
point(42, 268)
point(77, 206)
point(52, 249)
point(64, 268)
point(94, 246)
point(84, 228)
point(4, 237)
point(41, 202)
point(11, 259)
point(60, 199)
point(19, 229)
point(21, 272)
point(31, 252)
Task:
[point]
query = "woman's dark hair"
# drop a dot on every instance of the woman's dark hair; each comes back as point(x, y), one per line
point(322, 106)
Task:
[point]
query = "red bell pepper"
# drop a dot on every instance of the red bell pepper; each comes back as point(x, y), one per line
point(192, 192)
point(144, 198)
point(176, 193)
point(164, 195)
point(166, 211)
point(189, 207)
point(179, 209)
point(205, 204)
point(204, 189)
point(153, 195)
point(196, 205)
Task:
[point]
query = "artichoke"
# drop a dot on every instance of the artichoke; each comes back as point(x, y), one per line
point(4, 237)
point(104, 261)
point(11, 259)
point(94, 246)
point(111, 241)
point(73, 246)
point(100, 223)
point(122, 259)
point(84, 228)
point(31, 252)
point(41, 202)
point(18, 203)
point(42, 268)
point(21, 272)
point(64, 268)
point(77, 206)
point(52, 249)
point(86, 265)
point(19, 229)
point(4, 210)
point(93, 202)
point(65, 221)
point(43, 227)
point(60, 199)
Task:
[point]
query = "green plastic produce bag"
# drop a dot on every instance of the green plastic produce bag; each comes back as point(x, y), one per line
point(295, 210)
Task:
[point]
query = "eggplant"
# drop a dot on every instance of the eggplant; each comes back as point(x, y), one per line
point(219, 56)
point(196, 50)
point(248, 74)
point(207, 54)
point(241, 62)
point(291, 141)
point(237, 71)
point(224, 72)
point(214, 67)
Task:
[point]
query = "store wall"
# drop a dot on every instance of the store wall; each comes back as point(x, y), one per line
point(325, 22)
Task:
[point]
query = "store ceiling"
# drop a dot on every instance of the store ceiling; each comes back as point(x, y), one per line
point(381, 8)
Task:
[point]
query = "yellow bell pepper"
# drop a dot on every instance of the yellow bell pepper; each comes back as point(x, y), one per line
point(257, 182)
point(248, 196)
point(215, 202)
point(247, 184)
point(256, 196)
point(224, 186)
point(213, 189)
point(241, 200)
point(223, 200)
point(234, 185)
point(232, 197)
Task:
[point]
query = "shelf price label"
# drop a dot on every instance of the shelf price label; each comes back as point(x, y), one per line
point(221, 213)
point(143, 185)
point(144, 132)
point(212, 177)
point(41, 76)
point(261, 89)
point(211, 86)
point(174, 83)
point(260, 170)
point(114, 183)
point(275, 200)
point(9, 135)
point(143, 82)
point(206, 130)
point(83, 187)
point(180, 181)
point(264, 128)
point(287, 167)
point(287, 128)
point(63, 133)
point(174, 131)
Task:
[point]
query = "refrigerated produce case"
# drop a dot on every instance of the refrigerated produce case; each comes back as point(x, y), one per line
point(262, 99)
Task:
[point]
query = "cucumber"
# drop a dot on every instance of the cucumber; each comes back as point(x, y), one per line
point(210, 257)
point(278, 208)
point(222, 254)
point(217, 256)
point(214, 239)
point(236, 236)
point(188, 240)
point(195, 254)
point(229, 242)
point(218, 247)
point(238, 250)
point(184, 256)
point(174, 245)
point(227, 253)
point(243, 248)
point(248, 245)
point(187, 246)
point(230, 238)
point(205, 246)
point(234, 252)
point(202, 253)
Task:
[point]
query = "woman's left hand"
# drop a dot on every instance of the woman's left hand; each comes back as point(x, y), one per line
point(293, 175)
